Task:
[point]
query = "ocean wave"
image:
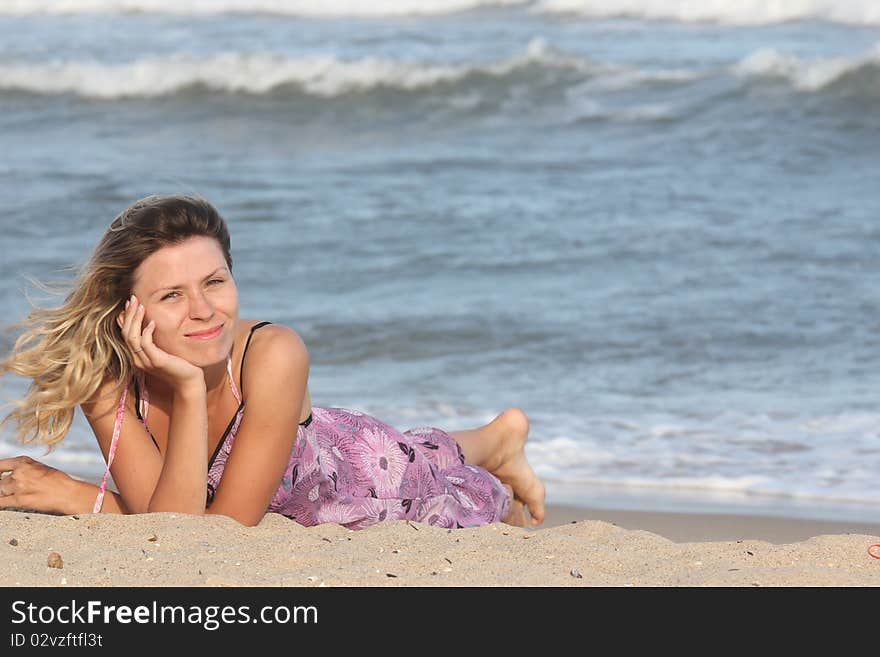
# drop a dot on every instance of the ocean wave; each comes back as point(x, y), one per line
point(304, 8)
point(741, 12)
point(813, 75)
point(262, 73)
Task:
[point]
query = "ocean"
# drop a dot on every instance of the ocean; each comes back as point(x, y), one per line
point(653, 226)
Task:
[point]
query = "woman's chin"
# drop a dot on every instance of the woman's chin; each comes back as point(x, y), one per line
point(207, 360)
point(208, 354)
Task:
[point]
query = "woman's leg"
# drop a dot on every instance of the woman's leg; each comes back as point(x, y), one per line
point(499, 447)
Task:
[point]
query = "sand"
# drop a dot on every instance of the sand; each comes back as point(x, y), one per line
point(575, 547)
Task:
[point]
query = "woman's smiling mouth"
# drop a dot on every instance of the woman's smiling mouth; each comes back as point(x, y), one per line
point(206, 335)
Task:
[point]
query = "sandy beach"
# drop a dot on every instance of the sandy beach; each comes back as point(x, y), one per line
point(575, 547)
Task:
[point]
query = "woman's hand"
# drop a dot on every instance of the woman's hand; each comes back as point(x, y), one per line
point(150, 358)
point(29, 484)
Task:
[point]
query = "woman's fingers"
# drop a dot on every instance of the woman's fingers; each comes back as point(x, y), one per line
point(132, 320)
point(146, 354)
point(120, 318)
point(7, 486)
point(129, 313)
point(134, 328)
point(127, 317)
point(147, 337)
point(9, 501)
point(149, 351)
point(8, 464)
point(8, 483)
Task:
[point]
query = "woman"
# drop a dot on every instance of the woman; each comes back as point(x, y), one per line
point(197, 411)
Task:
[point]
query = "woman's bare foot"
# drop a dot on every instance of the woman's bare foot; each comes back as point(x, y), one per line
point(508, 462)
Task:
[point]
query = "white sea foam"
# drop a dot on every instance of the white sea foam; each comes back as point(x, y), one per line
point(804, 74)
point(559, 457)
point(260, 73)
point(739, 12)
point(307, 8)
point(734, 484)
point(735, 457)
point(744, 12)
point(329, 76)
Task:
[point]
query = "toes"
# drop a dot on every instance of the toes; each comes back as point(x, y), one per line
point(516, 515)
point(536, 506)
point(537, 513)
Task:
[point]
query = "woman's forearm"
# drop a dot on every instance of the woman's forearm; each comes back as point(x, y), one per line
point(80, 498)
point(183, 480)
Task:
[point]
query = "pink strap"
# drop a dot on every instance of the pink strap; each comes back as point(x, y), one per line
point(145, 398)
point(231, 380)
point(117, 427)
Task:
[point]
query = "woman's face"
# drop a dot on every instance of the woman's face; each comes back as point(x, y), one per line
point(189, 291)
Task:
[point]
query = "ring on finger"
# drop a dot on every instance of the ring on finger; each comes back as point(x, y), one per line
point(137, 351)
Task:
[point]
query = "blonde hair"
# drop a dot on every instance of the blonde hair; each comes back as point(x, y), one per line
point(70, 351)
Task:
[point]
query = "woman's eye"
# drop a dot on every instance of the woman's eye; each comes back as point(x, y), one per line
point(213, 281)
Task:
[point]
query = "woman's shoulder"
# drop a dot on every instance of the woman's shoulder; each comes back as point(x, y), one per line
point(105, 398)
point(270, 342)
point(258, 330)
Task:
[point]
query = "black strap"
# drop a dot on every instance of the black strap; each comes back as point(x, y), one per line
point(137, 399)
point(238, 410)
point(244, 353)
point(308, 420)
point(137, 410)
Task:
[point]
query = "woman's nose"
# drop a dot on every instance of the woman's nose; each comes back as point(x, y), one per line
point(200, 306)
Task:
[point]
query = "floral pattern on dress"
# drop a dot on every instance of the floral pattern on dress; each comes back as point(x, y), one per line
point(349, 468)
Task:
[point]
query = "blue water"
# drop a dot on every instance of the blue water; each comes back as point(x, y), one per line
point(658, 234)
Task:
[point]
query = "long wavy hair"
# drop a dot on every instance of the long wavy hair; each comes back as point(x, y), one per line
point(69, 352)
